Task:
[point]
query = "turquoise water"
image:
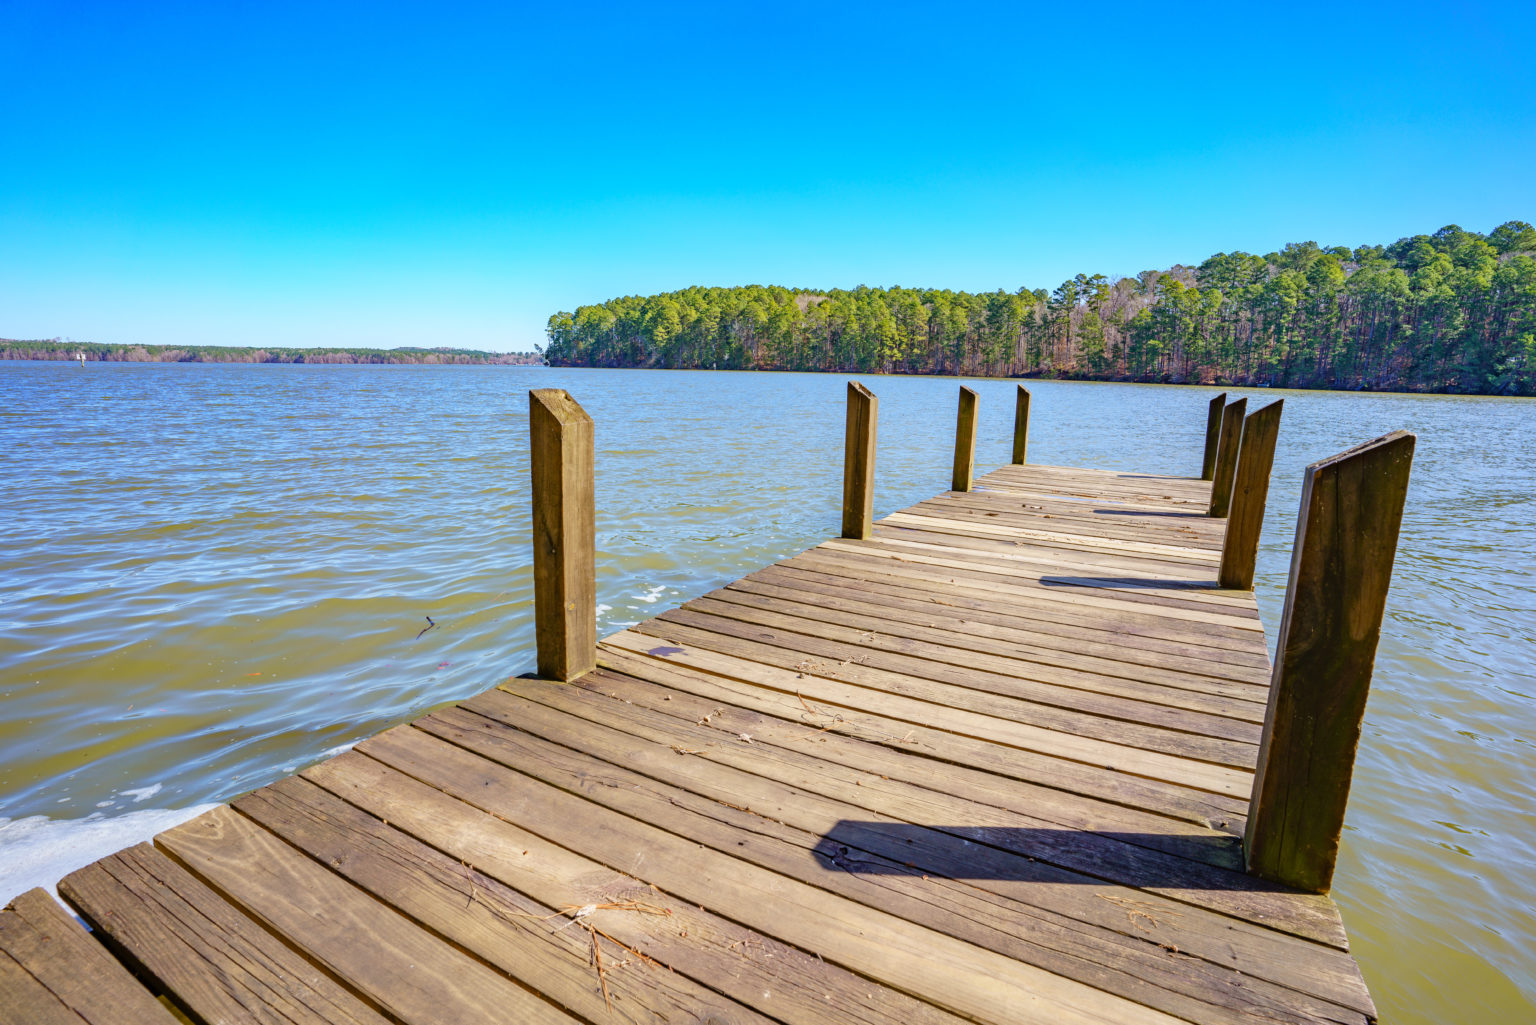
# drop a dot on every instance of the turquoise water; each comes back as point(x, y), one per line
point(211, 575)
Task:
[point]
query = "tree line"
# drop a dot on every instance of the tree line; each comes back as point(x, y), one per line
point(56, 349)
point(1454, 311)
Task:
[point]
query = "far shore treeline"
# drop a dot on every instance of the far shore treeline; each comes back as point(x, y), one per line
point(56, 349)
point(1450, 312)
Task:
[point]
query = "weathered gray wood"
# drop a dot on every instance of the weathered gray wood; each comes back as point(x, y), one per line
point(1226, 456)
point(1250, 488)
point(564, 534)
point(859, 462)
point(1021, 426)
point(965, 441)
point(1212, 434)
point(1346, 538)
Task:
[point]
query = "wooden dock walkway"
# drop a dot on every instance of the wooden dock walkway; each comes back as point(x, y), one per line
point(991, 762)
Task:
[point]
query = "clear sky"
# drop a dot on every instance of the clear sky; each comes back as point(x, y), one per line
point(390, 174)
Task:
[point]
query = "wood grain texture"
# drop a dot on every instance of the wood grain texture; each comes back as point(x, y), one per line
point(1212, 436)
point(787, 983)
point(1346, 541)
point(218, 965)
point(564, 528)
point(51, 952)
point(1226, 457)
point(965, 441)
point(1021, 427)
point(859, 461)
point(409, 973)
point(1250, 489)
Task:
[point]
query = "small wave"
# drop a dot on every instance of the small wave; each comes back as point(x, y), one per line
point(39, 851)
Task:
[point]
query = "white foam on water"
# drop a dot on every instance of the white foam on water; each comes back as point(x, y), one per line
point(39, 851)
point(653, 595)
point(323, 756)
point(142, 793)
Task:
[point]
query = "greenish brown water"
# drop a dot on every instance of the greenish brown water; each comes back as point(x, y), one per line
point(211, 575)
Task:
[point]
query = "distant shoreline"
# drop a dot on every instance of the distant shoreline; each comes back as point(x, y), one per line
point(59, 351)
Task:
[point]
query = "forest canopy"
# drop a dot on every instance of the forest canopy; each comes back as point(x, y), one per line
point(1454, 311)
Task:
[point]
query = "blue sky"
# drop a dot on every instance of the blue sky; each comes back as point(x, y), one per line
point(450, 174)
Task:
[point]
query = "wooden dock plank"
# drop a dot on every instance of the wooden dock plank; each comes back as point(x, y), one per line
point(217, 963)
point(991, 762)
point(412, 975)
point(1108, 856)
point(951, 973)
point(1014, 854)
point(781, 981)
point(913, 868)
point(530, 941)
point(879, 718)
point(51, 970)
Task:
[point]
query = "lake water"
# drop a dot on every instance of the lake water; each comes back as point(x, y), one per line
point(213, 575)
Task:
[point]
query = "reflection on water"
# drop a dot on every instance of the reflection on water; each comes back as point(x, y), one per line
point(209, 575)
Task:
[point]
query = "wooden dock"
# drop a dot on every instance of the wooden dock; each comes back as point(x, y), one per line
point(990, 759)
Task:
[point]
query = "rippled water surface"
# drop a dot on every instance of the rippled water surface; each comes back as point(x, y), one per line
point(210, 575)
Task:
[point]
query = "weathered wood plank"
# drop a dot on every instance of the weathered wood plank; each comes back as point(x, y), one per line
point(965, 441)
point(217, 964)
point(1250, 489)
point(976, 690)
point(27, 1001)
point(977, 842)
point(1212, 435)
point(905, 724)
point(859, 461)
point(1069, 922)
point(409, 973)
point(1226, 456)
point(974, 770)
point(789, 984)
point(951, 973)
point(1346, 540)
point(857, 608)
point(966, 711)
point(564, 533)
point(1083, 682)
point(528, 940)
point(1022, 625)
point(977, 605)
point(53, 951)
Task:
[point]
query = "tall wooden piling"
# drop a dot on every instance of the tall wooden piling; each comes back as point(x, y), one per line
point(859, 462)
point(1346, 539)
point(1250, 489)
point(1212, 434)
point(1226, 456)
point(564, 535)
point(1021, 426)
point(965, 441)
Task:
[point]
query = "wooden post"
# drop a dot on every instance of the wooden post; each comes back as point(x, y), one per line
point(1212, 433)
point(1226, 456)
point(564, 535)
point(1250, 488)
point(1021, 426)
point(859, 462)
point(965, 441)
point(1346, 538)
